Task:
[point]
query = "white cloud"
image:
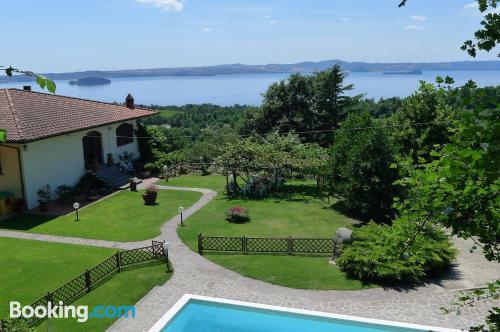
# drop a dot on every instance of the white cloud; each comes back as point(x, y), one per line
point(418, 18)
point(471, 5)
point(273, 21)
point(175, 5)
point(344, 19)
point(207, 29)
point(414, 27)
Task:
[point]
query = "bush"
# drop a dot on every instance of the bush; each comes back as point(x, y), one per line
point(44, 194)
point(16, 325)
point(237, 214)
point(386, 254)
point(151, 189)
point(65, 193)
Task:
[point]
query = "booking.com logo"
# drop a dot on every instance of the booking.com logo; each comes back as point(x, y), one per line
point(81, 312)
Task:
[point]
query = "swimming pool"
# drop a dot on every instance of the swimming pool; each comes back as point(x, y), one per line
point(194, 313)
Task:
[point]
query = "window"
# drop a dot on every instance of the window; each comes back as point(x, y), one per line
point(124, 134)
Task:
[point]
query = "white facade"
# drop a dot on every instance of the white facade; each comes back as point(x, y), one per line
point(59, 160)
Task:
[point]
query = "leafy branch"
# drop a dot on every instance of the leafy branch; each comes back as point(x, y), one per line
point(472, 297)
point(41, 80)
point(489, 35)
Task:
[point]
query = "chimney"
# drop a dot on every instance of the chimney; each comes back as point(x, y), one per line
point(27, 87)
point(129, 102)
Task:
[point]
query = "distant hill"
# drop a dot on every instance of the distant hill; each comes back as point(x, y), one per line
point(302, 67)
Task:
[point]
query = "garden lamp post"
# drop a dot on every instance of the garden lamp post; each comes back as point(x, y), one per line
point(166, 245)
point(76, 206)
point(181, 210)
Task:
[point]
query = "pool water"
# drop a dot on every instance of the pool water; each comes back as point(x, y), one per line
point(204, 316)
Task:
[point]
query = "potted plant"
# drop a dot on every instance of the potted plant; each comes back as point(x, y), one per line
point(237, 215)
point(43, 195)
point(150, 195)
point(66, 194)
point(110, 160)
point(133, 184)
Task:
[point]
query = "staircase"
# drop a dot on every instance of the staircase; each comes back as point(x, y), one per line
point(112, 176)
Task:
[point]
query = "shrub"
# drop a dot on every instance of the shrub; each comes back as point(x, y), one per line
point(237, 214)
point(16, 325)
point(151, 189)
point(386, 254)
point(43, 194)
point(150, 195)
point(65, 193)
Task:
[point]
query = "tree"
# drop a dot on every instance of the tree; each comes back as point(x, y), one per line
point(359, 164)
point(310, 105)
point(422, 121)
point(459, 189)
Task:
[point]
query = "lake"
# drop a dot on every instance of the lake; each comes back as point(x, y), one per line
point(248, 88)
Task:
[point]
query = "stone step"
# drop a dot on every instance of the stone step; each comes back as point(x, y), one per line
point(112, 176)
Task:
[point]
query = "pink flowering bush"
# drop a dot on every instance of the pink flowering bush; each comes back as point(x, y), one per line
point(237, 214)
point(152, 189)
point(150, 195)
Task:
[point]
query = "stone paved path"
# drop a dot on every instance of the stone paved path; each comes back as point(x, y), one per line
point(197, 275)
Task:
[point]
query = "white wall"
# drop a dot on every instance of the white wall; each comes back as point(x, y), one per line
point(10, 177)
point(59, 160)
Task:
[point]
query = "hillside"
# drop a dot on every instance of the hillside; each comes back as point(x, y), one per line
point(303, 67)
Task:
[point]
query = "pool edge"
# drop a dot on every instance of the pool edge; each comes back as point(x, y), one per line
point(167, 317)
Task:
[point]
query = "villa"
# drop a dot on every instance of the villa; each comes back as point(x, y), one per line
point(54, 139)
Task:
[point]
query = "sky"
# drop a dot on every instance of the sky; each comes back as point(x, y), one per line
point(61, 35)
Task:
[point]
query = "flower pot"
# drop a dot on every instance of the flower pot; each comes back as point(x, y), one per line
point(149, 198)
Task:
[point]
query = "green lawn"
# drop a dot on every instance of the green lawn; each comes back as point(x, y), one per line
point(120, 217)
point(125, 288)
point(296, 214)
point(31, 268)
point(215, 182)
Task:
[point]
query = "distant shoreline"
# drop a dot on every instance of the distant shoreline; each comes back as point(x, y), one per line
point(238, 69)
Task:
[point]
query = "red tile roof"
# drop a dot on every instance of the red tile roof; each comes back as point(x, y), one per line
point(29, 116)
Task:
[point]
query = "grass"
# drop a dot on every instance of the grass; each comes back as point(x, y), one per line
point(120, 217)
point(297, 213)
point(124, 289)
point(214, 182)
point(31, 268)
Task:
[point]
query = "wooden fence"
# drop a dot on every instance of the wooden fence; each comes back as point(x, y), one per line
point(269, 245)
point(92, 278)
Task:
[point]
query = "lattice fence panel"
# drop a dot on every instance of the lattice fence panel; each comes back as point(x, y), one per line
point(103, 269)
point(278, 245)
point(313, 246)
point(40, 302)
point(138, 255)
point(70, 290)
point(222, 243)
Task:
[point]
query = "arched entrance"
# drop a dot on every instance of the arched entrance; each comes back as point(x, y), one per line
point(92, 149)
